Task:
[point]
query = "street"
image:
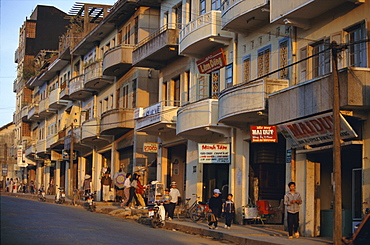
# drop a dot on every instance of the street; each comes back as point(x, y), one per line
point(32, 222)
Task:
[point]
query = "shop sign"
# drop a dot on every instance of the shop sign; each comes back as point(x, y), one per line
point(212, 62)
point(214, 153)
point(263, 134)
point(151, 147)
point(5, 169)
point(149, 115)
point(19, 155)
point(315, 130)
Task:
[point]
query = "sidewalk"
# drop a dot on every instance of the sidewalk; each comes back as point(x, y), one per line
point(239, 234)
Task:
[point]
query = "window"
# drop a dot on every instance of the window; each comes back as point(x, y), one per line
point(215, 81)
point(202, 7)
point(136, 30)
point(178, 16)
point(246, 68)
point(134, 91)
point(303, 64)
point(176, 91)
point(283, 58)
point(320, 62)
point(87, 114)
point(229, 76)
point(263, 65)
point(357, 52)
point(216, 5)
point(203, 86)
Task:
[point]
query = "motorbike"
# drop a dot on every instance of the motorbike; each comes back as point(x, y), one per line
point(90, 202)
point(41, 195)
point(157, 215)
point(60, 196)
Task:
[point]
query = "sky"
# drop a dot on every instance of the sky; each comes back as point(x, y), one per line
point(13, 13)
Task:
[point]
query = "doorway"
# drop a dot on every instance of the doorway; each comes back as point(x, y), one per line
point(215, 176)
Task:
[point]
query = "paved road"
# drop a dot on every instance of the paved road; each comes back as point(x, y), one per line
point(33, 222)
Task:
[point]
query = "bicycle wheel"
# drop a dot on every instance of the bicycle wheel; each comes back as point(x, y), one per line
point(196, 213)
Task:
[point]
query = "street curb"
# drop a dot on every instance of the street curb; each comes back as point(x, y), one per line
point(215, 234)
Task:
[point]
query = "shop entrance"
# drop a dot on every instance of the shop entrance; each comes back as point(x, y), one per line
point(351, 159)
point(177, 167)
point(215, 176)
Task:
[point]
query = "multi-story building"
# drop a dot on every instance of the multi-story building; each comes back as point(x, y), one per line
point(231, 95)
point(36, 34)
point(8, 153)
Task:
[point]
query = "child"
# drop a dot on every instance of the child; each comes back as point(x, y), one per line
point(228, 208)
point(166, 199)
point(292, 200)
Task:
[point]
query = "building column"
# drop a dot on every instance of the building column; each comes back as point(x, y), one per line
point(96, 172)
point(57, 174)
point(81, 171)
point(303, 170)
point(366, 165)
point(47, 177)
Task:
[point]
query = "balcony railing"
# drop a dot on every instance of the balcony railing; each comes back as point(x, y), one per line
point(239, 104)
point(94, 78)
point(158, 47)
point(117, 60)
point(117, 120)
point(41, 146)
point(51, 139)
point(202, 35)
point(237, 14)
point(161, 115)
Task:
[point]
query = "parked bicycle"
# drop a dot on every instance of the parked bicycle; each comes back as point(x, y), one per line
point(184, 210)
point(199, 211)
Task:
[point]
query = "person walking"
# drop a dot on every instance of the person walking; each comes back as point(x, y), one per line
point(15, 185)
point(175, 194)
point(126, 190)
point(133, 188)
point(86, 186)
point(215, 207)
point(292, 201)
point(7, 184)
point(106, 183)
point(228, 208)
point(140, 192)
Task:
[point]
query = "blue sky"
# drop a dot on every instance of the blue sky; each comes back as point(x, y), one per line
point(12, 15)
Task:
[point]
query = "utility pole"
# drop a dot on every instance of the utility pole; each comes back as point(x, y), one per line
point(71, 157)
point(337, 229)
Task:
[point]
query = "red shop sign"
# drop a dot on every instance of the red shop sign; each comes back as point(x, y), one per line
point(212, 62)
point(264, 134)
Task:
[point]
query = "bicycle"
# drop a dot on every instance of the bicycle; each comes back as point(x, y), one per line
point(200, 211)
point(184, 209)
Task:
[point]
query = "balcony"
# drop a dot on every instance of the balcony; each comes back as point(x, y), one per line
point(64, 92)
point(198, 120)
point(160, 117)
point(300, 12)
point(243, 103)
point(77, 90)
point(117, 60)
point(33, 112)
point(314, 96)
point(59, 143)
point(117, 122)
point(51, 140)
point(90, 134)
point(30, 148)
point(54, 101)
point(44, 109)
point(94, 78)
point(242, 16)
point(41, 146)
point(157, 49)
point(202, 35)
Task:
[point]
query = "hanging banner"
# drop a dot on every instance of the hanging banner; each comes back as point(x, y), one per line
point(214, 153)
point(315, 130)
point(263, 134)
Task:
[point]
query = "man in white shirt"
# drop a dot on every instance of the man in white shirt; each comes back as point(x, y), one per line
point(175, 194)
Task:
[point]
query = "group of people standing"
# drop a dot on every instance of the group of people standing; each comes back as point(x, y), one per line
point(218, 207)
point(12, 185)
